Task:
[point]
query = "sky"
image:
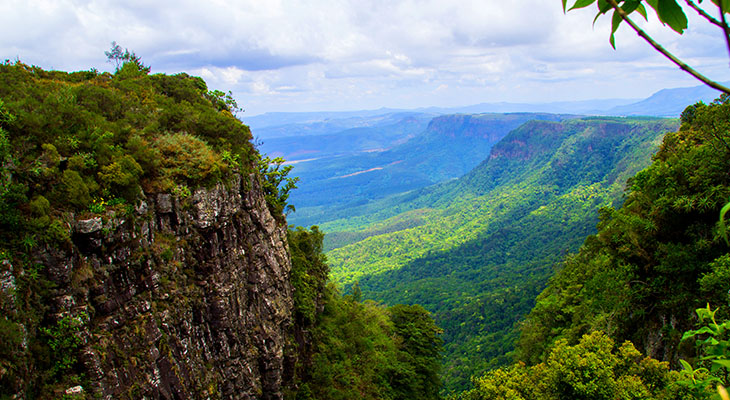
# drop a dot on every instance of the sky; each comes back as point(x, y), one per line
point(336, 55)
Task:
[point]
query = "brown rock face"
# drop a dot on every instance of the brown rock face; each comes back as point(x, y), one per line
point(187, 299)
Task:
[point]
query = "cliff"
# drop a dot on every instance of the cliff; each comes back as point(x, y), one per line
point(189, 298)
point(139, 257)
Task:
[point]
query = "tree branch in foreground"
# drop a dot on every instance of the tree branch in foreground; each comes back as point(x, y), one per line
point(682, 65)
point(704, 13)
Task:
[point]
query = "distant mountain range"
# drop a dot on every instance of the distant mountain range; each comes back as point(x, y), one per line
point(664, 103)
point(346, 160)
point(667, 102)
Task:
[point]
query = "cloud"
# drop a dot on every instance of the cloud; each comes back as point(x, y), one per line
point(308, 54)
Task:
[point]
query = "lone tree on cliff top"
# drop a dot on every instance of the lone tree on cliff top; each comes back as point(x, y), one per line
point(670, 13)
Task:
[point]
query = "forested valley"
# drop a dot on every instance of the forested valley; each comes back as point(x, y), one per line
point(636, 311)
point(145, 248)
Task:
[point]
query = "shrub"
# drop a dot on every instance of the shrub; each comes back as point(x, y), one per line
point(73, 190)
point(185, 158)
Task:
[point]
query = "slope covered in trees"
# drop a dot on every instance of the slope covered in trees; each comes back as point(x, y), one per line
point(351, 349)
point(477, 251)
point(654, 260)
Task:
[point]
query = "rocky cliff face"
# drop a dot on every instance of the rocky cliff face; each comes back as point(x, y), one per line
point(181, 298)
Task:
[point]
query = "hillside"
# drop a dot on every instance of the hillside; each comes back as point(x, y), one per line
point(641, 311)
point(447, 148)
point(475, 251)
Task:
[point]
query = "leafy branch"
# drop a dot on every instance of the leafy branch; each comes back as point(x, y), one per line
point(712, 339)
point(669, 13)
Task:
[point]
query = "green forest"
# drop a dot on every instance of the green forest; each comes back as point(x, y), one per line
point(656, 270)
point(476, 288)
point(478, 250)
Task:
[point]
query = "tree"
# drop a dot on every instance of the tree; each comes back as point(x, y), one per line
point(118, 57)
point(420, 347)
point(277, 184)
point(670, 13)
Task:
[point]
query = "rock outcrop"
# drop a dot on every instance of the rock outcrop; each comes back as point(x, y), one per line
point(180, 298)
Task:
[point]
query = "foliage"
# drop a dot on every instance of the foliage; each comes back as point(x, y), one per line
point(309, 272)
point(118, 57)
point(669, 13)
point(64, 340)
point(365, 351)
point(419, 353)
point(478, 250)
point(712, 341)
point(357, 350)
point(224, 101)
point(594, 368)
point(653, 260)
point(276, 184)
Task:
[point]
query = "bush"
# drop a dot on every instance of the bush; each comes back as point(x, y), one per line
point(73, 190)
point(186, 158)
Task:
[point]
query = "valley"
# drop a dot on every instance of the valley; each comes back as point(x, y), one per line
point(365, 200)
point(471, 217)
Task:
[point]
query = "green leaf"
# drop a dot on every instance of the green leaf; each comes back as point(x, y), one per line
point(630, 6)
point(723, 226)
point(642, 10)
point(686, 366)
point(725, 5)
point(671, 13)
point(580, 4)
point(603, 8)
point(615, 22)
point(564, 4)
point(721, 364)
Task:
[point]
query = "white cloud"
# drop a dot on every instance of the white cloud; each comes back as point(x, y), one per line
point(346, 54)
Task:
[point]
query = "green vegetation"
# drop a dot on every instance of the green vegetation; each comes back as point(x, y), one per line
point(476, 251)
point(350, 185)
point(594, 368)
point(276, 184)
point(655, 259)
point(652, 265)
point(80, 145)
point(357, 350)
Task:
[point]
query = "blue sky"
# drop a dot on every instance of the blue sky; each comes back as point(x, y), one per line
point(289, 55)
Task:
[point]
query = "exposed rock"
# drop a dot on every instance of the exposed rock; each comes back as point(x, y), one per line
point(87, 226)
point(189, 299)
point(75, 390)
point(164, 203)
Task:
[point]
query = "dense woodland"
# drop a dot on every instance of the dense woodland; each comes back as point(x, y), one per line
point(626, 316)
point(478, 250)
point(654, 261)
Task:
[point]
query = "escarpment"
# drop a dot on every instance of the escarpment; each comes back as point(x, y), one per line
point(139, 256)
point(188, 298)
